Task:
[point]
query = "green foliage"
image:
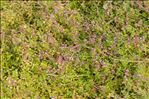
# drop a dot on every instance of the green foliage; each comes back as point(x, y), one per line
point(74, 49)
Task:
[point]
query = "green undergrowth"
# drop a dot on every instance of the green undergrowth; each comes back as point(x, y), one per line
point(74, 49)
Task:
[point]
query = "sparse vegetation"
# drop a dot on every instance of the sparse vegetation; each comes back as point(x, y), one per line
point(74, 49)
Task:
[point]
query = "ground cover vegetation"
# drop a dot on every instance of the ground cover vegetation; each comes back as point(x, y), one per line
point(74, 49)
